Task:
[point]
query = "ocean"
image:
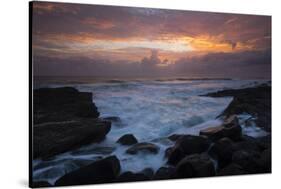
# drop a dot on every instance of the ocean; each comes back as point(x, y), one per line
point(151, 110)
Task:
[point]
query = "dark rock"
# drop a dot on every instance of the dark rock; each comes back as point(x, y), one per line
point(231, 169)
point(143, 147)
point(127, 139)
point(112, 119)
point(64, 119)
point(230, 129)
point(187, 145)
point(164, 173)
point(196, 165)
point(222, 151)
point(265, 161)
point(40, 184)
point(50, 139)
point(175, 137)
point(255, 101)
point(130, 177)
point(62, 104)
point(102, 171)
point(248, 160)
point(148, 172)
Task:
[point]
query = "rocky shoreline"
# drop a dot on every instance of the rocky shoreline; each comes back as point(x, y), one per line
point(65, 119)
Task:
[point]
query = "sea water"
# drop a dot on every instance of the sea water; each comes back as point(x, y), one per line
point(151, 110)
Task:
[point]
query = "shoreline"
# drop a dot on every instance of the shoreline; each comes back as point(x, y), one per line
point(183, 161)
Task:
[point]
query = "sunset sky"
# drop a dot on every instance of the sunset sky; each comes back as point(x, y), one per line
point(75, 39)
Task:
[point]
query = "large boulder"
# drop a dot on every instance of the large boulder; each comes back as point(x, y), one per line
point(143, 147)
point(196, 165)
point(187, 145)
point(222, 151)
point(231, 169)
point(164, 173)
point(102, 171)
point(254, 100)
point(53, 138)
point(248, 160)
point(127, 139)
point(61, 104)
point(230, 129)
point(64, 119)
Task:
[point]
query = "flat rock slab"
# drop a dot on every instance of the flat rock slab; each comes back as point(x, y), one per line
point(50, 139)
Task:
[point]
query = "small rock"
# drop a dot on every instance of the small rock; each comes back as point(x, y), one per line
point(143, 147)
point(127, 139)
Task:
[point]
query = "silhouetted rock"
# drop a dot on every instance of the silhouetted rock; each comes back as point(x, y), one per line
point(143, 147)
point(231, 169)
point(64, 119)
point(127, 139)
point(248, 160)
point(196, 165)
point(222, 151)
point(255, 101)
point(187, 145)
point(164, 173)
point(62, 104)
point(53, 138)
point(102, 171)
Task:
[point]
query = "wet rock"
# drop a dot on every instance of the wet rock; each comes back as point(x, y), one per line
point(231, 169)
point(50, 139)
point(164, 173)
point(222, 151)
point(112, 119)
point(187, 145)
point(196, 165)
point(102, 171)
point(148, 172)
point(64, 119)
point(175, 137)
point(127, 139)
point(255, 101)
point(230, 129)
point(143, 147)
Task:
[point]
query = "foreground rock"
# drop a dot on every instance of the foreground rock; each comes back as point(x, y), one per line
point(255, 101)
point(143, 147)
point(165, 173)
point(186, 145)
point(196, 165)
point(127, 139)
point(64, 119)
point(102, 171)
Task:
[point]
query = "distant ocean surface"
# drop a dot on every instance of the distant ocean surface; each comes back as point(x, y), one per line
point(151, 110)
